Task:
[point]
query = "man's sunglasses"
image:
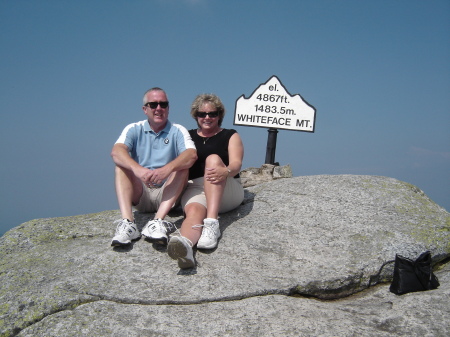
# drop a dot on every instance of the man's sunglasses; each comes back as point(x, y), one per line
point(211, 114)
point(154, 105)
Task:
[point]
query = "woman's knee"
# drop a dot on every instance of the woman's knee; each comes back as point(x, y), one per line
point(213, 160)
point(195, 209)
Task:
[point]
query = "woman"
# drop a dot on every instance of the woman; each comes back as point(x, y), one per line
point(214, 185)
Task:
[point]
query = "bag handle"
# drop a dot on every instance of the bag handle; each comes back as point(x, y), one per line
point(377, 275)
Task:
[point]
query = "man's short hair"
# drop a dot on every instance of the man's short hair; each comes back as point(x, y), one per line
point(150, 90)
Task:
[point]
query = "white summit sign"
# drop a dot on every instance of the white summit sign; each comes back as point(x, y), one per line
point(271, 106)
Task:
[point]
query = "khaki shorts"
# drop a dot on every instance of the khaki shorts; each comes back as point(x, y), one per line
point(151, 199)
point(233, 194)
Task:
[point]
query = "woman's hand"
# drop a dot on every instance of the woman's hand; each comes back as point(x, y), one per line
point(216, 175)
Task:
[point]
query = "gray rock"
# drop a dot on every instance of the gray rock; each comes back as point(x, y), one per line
point(267, 172)
point(300, 256)
point(282, 172)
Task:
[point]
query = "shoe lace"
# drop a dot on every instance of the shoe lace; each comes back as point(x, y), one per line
point(207, 229)
point(122, 226)
point(170, 227)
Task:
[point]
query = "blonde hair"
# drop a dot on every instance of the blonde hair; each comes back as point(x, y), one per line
point(210, 99)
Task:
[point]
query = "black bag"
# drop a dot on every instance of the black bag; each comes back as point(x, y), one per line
point(410, 276)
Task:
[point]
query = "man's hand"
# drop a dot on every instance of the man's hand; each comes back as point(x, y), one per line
point(157, 176)
point(152, 177)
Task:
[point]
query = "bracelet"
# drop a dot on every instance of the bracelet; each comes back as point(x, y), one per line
point(229, 171)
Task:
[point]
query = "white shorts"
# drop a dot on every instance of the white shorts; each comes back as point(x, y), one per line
point(150, 199)
point(233, 194)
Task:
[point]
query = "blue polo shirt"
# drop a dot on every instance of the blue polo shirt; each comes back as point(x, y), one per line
point(153, 150)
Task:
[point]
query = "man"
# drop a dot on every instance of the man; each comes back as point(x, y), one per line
point(152, 160)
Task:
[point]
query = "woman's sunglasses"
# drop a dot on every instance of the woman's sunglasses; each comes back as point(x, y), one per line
point(211, 114)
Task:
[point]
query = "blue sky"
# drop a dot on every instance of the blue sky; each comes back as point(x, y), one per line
point(73, 74)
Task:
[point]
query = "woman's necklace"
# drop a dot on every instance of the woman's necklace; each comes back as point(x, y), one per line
point(205, 139)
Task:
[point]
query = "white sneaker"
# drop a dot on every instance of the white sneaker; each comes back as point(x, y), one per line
point(180, 248)
point(126, 231)
point(210, 234)
point(156, 230)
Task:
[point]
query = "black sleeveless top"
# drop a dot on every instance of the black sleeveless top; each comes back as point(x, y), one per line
point(217, 144)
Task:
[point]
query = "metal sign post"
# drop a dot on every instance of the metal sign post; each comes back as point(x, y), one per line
point(271, 146)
